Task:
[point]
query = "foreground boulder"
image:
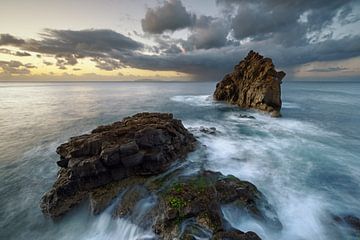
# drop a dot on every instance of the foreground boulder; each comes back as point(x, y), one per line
point(142, 145)
point(128, 168)
point(195, 201)
point(254, 83)
point(177, 205)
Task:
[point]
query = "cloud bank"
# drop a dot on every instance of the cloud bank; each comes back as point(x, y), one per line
point(292, 33)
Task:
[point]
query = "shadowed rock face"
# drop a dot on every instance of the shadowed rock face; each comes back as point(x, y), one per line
point(196, 200)
point(254, 83)
point(142, 145)
point(182, 206)
point(127, 165)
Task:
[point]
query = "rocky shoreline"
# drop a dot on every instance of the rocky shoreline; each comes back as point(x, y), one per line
point(138, 167)
point(135, 159)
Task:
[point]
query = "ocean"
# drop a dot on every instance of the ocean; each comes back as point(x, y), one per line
point(307, 163)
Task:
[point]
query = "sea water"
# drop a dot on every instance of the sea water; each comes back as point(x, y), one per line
point(306, 163)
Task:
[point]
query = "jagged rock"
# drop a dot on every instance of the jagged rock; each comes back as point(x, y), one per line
point(236, 235)
point(142, 145)
point(127, 165)
point(206, 130)
point(189, 206)
point(254, 83)
point(246, 116)
point(199, 197)
point(350, 220)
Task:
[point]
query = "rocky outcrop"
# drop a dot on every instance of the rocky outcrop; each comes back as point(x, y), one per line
point(254, 83)
point(195, 201)
point(127, 168)
point(349, 220)
point(142, 145)
point(182, 206)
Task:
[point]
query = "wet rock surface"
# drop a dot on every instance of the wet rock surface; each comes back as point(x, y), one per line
point(141, 145)
point(181, 206)
point(129, 168)
point(254, 83)
point(204, 130)
point(349, 220)
point(199, 197)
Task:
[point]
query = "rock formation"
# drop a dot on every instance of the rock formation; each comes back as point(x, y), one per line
point(130, 166)
point(183, 206)
point(144, 144)
point(196, 200)
point(254, 83)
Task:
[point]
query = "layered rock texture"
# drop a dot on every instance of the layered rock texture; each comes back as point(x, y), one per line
point(196, 201)
point(144, 144)
point(254, 83)
point(130, 168)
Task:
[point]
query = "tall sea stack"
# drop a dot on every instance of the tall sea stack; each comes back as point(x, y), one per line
point(254, 83)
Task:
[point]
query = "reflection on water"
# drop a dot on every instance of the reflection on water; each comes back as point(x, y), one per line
point(306, 163)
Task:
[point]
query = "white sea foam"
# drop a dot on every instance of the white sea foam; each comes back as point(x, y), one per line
point(289, 105)
point(108, 228)
point(194, 100)
point(270, 155)
point(304, 170)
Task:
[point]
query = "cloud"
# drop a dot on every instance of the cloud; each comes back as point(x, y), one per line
point(5, 51)
point(169, 17)
point(291, 34)
point(17, 53)
point(68, 43)
point(329, 69)
point(288, 23)
point(14, 67)
point(208, 32)
point(22, 54)
point(7, 39)
point(212, 64)
point(63, 60)
point(107, 64)
point(47, 63)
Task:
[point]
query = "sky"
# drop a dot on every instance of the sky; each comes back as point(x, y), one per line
point(176, 40)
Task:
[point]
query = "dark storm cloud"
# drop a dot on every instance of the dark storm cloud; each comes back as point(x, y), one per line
point(211, 64)
point(68, 45)
point(84, 42)
point(208, 32)
point(17, 53)
point(282, 30)
point(288, 22)
point(14, 67)
point(169, 17)
point(108, 64)
point(66, 59)
point(7, 39)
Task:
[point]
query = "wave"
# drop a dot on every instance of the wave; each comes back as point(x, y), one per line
point(194, 100)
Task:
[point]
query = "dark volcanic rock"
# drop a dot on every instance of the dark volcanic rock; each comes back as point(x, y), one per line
point(350, 220)
point(188, 206)
point(236, 235)
point(194, 202)
point(142, 145)
point(254, 83)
